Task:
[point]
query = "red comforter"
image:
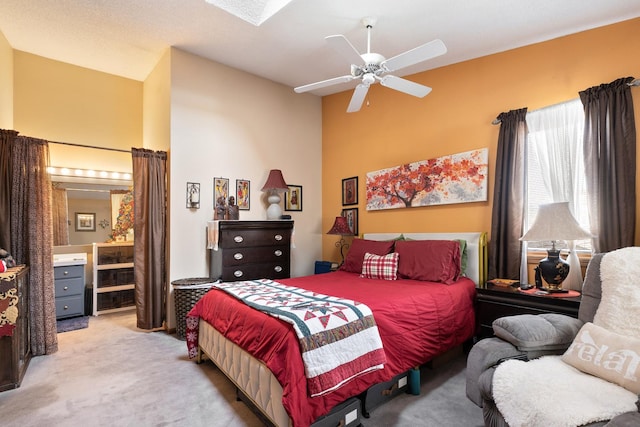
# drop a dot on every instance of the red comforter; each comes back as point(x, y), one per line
point(416, 320)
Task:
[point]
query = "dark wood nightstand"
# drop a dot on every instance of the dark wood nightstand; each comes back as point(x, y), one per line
point(494, 302)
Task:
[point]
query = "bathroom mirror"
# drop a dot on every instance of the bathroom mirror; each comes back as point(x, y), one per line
point(92, 197)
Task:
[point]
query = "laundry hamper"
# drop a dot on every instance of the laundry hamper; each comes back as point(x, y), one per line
point(186, 293)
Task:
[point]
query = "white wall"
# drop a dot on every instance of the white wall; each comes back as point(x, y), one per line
point(231, 124)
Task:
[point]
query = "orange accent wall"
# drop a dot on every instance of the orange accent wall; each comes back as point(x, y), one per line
point(393, 128)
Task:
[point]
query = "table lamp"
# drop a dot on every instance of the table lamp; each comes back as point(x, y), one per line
point(275, 184)
point(341, 227)
point(554, 222)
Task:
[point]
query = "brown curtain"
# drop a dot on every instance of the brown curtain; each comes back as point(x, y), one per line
point(60, 214)
point(610, 163)
point(150, 208)
point(7, 138)
point(32, 237)
point(507, 216)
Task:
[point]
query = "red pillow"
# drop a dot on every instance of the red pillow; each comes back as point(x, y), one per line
point(383, 267)
point(429, 260)
point(355, 256)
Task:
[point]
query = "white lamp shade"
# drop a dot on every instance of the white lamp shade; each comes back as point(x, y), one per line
point(555, 222)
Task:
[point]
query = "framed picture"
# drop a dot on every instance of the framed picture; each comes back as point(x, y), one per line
point(85, 221)
point(220, 191)
point(350, 191)
point(243, 193)
point(352, 219)
point(293, 198)
point(193, 195)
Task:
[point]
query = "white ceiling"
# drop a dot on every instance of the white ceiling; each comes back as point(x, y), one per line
point(127, 37)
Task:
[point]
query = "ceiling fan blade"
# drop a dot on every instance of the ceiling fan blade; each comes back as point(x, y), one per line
point(324, 83)
point(357, 98)
point(421, 53)
point(405, 86)
point(341, 45)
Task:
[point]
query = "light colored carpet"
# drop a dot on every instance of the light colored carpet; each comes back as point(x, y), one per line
point(113, 374)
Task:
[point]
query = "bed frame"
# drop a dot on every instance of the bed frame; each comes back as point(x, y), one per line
point(258, 386)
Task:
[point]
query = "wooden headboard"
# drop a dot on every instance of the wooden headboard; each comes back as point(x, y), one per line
point(477, 260)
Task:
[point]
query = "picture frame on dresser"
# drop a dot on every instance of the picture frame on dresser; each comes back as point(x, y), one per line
point(293, 198)
point(85, 221)
point(350, 191)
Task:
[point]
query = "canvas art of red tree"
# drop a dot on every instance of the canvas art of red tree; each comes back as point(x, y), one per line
point(449, 179)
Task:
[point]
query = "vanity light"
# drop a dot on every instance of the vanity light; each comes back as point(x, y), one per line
point(53, 170)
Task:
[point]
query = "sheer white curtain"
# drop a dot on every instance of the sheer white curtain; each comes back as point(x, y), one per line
point(555, 140)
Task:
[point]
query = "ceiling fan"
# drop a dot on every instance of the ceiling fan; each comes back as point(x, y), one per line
point(372, 67)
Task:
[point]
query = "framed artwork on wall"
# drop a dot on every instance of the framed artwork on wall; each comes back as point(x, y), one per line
point(293, 198)
point(193, 195)
point(243, 193)
point(352, 219)
point(85, 221)
point(220, 190)
point(350, 191)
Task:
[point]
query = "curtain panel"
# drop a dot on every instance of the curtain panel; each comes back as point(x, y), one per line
point(150, 207)
point(32, 237)
point(507, 216)
point(7, 138)
point(610, 163)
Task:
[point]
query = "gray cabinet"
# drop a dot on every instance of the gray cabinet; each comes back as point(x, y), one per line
point(70, 283)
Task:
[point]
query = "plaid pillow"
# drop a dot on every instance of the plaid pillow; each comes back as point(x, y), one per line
point(383, 267)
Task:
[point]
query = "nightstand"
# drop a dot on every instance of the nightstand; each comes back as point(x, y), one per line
point(493, 302)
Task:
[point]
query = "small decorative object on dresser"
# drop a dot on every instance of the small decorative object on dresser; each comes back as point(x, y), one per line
point(350, 191)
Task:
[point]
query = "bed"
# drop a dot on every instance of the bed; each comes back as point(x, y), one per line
point(417, 320)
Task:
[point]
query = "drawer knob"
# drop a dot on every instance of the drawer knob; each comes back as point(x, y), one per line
point(238, 273)
point(66, 288)
point(277, 268)
point(238, 256)
point(66, 307)
point(278, 237)
point(66, 272)
point(238, 239)
point(278, 252)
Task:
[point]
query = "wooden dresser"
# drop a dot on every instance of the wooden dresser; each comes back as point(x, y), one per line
point(250, 250)
point(15, 349)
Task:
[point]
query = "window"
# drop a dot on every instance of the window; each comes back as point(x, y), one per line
point(554, 163)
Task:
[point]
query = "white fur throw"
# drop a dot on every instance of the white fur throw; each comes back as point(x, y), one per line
point(548, 392)
point(619, 309)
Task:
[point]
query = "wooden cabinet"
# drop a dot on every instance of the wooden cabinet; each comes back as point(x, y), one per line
point(15, 347)
point(113, 280)
point(70, 284)
point(494, 302)
point(252, 250)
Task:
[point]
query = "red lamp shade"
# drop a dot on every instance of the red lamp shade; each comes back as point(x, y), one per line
point(340, 226)
point(275, 181)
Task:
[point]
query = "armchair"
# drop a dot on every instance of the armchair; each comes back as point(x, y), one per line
point(530, 337)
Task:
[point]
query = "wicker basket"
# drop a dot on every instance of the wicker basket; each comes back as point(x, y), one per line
point(186, 294)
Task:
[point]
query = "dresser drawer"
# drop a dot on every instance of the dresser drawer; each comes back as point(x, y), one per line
point(263, 254)
point(255, 271)
point(68, 287)
point(68, 271)
point(251, 238)
point(69, 306)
